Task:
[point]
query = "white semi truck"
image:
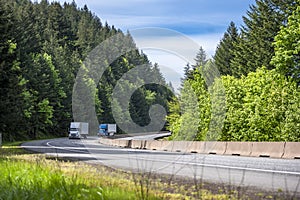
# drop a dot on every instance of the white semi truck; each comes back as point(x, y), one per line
point(78, 130)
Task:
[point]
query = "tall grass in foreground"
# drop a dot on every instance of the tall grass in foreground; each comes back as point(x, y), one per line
point(25, 180)
point(34, 177)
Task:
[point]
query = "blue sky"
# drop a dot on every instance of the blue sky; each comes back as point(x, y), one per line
point(188, 17)
point(203, 21)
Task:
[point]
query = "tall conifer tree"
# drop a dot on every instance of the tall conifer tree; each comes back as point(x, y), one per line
point(225, 50)
point(262, 23)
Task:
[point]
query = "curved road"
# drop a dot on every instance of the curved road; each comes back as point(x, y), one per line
point(264, 173)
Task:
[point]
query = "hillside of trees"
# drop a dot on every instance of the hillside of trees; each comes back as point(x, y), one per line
point(42, 47)
point(250, 90)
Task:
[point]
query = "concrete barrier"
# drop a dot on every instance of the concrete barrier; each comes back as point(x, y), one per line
point(137, 144)
point(292, 150)
point(196, 147)
point(123, 143)
point(153, 145)
point(239, 148)
point(268, 149)
point(214, 147)
point(175, 146)
point(288, 150)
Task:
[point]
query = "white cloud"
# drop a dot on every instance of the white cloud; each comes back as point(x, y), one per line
point(173, 50)
point(166, 40)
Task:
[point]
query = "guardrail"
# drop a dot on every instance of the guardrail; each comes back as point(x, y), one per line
point(287, 150)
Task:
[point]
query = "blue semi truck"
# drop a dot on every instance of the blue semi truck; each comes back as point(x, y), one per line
point(107, 129)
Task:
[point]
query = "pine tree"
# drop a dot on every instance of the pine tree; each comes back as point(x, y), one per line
point(187, 72)
point(200, 59)
point(46, 92)
point(12, 89)
point(225, 50)
point(26, 30)
point(262, 23)
point(11, 94)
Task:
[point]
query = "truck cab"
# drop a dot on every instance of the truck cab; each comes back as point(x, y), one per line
point(74, 133)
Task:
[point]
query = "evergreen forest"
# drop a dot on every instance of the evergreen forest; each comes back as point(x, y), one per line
point(42, 46)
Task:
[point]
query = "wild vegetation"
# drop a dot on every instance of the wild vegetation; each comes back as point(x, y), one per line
point(254, 94)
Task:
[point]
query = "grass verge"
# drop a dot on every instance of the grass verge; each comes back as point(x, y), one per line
point(33, 176)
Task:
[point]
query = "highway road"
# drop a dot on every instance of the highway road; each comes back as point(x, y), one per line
point(264, 173)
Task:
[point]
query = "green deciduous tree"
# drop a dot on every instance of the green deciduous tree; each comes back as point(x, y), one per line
point(264, 106)
point(287, 47)
point(189, 116)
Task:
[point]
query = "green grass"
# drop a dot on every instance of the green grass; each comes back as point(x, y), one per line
point(14, 144)
point(23, 180)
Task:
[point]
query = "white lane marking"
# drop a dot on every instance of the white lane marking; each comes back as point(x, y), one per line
point(224, 166)
point(70, 155)
point(72, 149)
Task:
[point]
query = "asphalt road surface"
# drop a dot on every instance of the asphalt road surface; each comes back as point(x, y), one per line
point(264, 173)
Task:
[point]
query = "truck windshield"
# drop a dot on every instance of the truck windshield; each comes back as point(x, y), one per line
point(73, 129)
